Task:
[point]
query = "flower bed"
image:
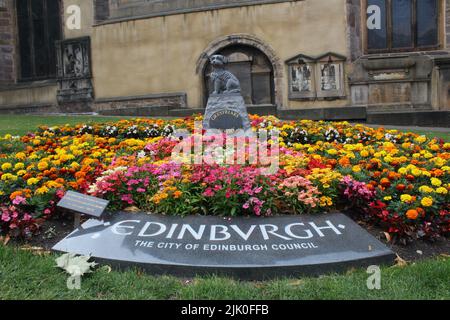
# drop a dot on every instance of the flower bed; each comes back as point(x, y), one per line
point(397, 180)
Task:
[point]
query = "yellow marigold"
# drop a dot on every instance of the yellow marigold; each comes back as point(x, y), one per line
point(75, 165)
point(420, 139)
point(326, 201)
point(416, 172)
point(19, 166)
point(403, 171)
point(21, 173)
point(436, 182)
point(406, 198)
point(43, 165)
point(32, 181)
point(9, 177)
point(21, 156)
point(356, 169)
point(387, 198)
point(332, 152)
point(427, 202)
point(441, 190)
point(434, 147)
point(365, 153)
point(53, 185)
point(6, 166)
point(426, 189)
point(42, 190)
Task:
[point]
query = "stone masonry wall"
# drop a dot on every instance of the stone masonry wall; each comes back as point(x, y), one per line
point(447, 23)
point(354, 31)
point(102, 10)
point(6, 45)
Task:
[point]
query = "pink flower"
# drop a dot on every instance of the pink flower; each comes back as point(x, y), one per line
point(5, 217)
point(47, 211)
point(19, 200)
point(128, 198)
point(208, 193)
point(140, 190)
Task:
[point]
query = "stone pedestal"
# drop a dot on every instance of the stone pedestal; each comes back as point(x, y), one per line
point(226, 111)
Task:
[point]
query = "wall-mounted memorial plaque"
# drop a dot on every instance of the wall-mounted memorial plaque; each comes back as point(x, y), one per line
point(83, 204)
point(247, 248)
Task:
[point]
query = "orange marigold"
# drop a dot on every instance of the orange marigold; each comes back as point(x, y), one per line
point(412, 214)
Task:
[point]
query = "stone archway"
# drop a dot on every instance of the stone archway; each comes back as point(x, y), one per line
point(249, 41)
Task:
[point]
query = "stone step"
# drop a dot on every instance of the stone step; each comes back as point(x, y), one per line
point(398, 108)
point(418, 118)
point(262, 110)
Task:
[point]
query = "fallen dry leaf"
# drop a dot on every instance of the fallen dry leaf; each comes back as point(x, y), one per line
point(6, 240)
point(400, 262)
point(132, 209)
point(388, 236)
point(36, 250)
point(108, 269)
point(296, 283)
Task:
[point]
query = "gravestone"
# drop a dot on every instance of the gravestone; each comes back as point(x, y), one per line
point(246, 248)
point(226, 107)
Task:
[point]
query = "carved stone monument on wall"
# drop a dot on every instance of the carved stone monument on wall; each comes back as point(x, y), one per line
point(226, 107)
point(75, 92)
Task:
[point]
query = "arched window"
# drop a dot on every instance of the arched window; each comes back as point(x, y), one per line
point(403, 25)
point(39, 26)
point(254, 71)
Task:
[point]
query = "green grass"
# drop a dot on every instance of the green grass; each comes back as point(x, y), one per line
point(20, 125)
point(433, 134)
point(27, 276)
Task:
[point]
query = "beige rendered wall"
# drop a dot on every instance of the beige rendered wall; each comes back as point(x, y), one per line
point(159, 55)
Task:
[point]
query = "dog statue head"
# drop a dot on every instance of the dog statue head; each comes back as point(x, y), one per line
point(218, 61)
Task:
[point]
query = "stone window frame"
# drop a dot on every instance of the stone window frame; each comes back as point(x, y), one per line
point(317, 93)
point(18, 61)
point(302, 59)
point(441, 32)
point(336, 59)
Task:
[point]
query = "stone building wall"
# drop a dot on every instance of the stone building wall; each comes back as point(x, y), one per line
point(447, 22)
point(159, 55)
point(7, 50)
point(354, 29)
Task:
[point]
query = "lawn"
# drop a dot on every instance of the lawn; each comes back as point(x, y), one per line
point(20, 125)
point(24, 275)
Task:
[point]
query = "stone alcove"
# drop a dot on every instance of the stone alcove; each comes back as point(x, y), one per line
point(254, 62)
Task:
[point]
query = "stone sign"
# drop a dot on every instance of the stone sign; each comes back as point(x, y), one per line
point(247, 248)
point(80, 203)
